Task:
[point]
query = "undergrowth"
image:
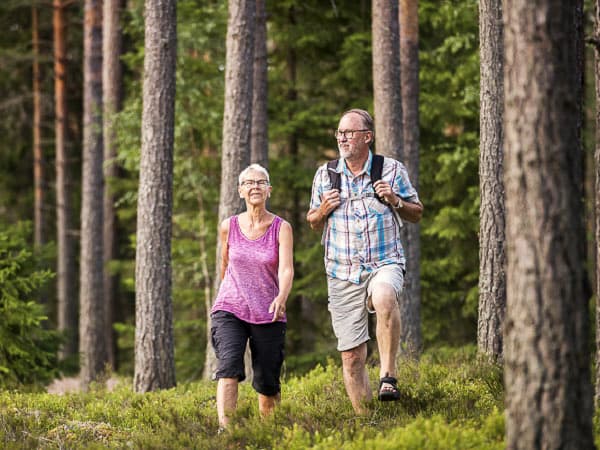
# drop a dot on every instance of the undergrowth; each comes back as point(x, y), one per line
point(454, 403)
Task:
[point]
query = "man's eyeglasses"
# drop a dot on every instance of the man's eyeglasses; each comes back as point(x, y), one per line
point(259, 183)
point(348, 134)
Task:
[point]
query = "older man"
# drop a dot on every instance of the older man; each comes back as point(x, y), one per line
point(364, 259)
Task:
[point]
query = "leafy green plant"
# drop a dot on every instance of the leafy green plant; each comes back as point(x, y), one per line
point(27, 348)
point(445, 405)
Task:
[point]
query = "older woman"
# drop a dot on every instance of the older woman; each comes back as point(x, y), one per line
point(256, 278)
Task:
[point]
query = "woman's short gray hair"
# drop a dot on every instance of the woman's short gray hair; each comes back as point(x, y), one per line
point(256, 168)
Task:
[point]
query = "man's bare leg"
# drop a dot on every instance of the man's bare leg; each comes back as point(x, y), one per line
point(356, 377)
point(388, 327)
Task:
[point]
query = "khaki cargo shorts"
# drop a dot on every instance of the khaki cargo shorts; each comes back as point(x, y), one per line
point(349, 303)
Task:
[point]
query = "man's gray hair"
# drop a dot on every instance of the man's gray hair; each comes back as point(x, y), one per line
point(256, 168)
point(366, 118)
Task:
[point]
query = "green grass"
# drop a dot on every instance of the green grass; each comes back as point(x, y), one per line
point(448, 402)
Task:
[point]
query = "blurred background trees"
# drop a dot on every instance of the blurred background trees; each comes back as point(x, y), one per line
point(319, 64)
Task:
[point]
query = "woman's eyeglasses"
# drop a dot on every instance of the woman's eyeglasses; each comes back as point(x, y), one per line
point(250, 183)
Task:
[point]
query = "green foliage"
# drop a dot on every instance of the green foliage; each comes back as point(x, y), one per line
point(15, 86)
point(449, 405)
point(449, 183)
point(198, 112)
point(319, 57)
point(319, 66)
point(27, 348)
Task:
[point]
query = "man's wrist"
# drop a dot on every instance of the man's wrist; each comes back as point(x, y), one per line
point(318, 217)
point(322, 215)
point(399, 204)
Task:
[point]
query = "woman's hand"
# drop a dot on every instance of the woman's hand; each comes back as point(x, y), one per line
point(277, 308)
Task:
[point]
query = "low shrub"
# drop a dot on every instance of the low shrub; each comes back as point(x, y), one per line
point(449, 406)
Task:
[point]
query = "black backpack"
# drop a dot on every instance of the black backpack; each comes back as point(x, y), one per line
point(376, 169)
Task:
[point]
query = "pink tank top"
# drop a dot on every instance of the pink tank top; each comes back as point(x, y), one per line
point(251, 280)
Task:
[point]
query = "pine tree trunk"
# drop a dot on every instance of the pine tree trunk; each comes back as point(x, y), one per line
point(259, 133)
point(492, 256)
point(39, 178)
point(207, 279)
point(111, 90)
point(597, 193)
point(411, 339)
point(293, 147)
point(236, 127)
point(547, 378)
point(154, 346)
point(92, 345)
point(386, 79)
point(66, 269)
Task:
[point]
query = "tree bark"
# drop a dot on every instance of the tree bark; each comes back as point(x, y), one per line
point(259, 134)
point(92, 345)
point(154, 347)
point(411, 339)
point(235, 150)
point(39, 178)
point(597, 193)
point(386, 79)
point(492, 254)
point(112, 80)
point(548, 389)
point(66, 269)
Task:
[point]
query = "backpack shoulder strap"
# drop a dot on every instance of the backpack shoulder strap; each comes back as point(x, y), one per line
point(334, 177)
point(376, 169)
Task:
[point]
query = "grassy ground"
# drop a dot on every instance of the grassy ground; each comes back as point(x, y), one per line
point(449, 401)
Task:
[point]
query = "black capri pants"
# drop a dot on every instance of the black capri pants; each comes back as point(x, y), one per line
point(267, 341)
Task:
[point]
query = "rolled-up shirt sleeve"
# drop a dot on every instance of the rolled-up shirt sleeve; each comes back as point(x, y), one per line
point(321, 183)
point(402, 186)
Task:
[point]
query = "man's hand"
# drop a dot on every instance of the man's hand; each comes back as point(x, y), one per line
point(318, 216)
point(384, 190)
point(412, 212)
point(329, 201)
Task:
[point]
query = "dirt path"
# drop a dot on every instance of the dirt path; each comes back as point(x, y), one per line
point(72, 384)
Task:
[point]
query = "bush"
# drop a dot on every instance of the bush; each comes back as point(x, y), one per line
point(27, 348)
point(454, 405)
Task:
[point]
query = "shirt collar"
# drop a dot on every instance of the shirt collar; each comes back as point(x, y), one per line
point(342, 167)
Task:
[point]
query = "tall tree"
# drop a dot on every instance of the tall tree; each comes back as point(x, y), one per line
point(112, 81)
point(492, 257)
point(387, 94)
point(259, 134)
point(235, 152)
point(597, 193)
point(66, 269)
point(38, 156)
point(549, 396)
point(409, 76)
point(92, 343)
point(387, 99)
point(154, 347)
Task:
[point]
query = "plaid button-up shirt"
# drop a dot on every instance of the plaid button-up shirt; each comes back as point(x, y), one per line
point(362, 234)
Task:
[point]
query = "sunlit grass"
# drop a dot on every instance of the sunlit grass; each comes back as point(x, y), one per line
point(452, 402)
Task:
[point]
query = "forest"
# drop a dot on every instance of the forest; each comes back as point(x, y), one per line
point(125, 125)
